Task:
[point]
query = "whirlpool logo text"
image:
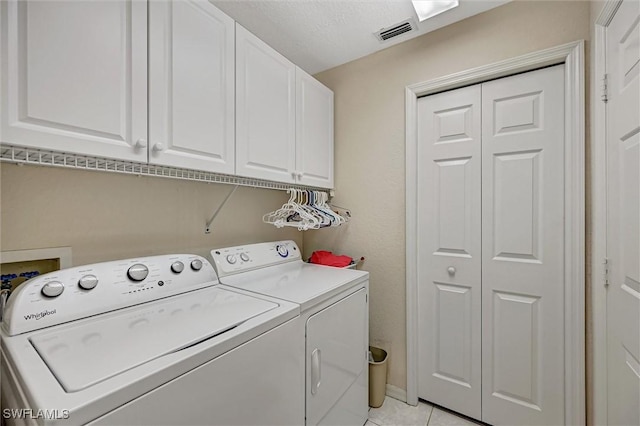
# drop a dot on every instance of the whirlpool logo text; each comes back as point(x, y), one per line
point(39, 315)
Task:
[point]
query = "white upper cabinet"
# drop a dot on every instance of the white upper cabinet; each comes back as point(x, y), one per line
point(265, 110)
point(173, 83)
point(74, 76)
point(314, 132)
point(284, 118)
point(191, 86)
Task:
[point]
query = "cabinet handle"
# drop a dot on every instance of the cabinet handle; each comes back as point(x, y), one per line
point(158, 147)
point(299, 176)
point(315, 371)
point(451, 270)
point(141, 143)
point(293, 175)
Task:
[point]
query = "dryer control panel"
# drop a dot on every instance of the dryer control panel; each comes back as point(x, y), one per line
point(233, 260)
point(83, 291)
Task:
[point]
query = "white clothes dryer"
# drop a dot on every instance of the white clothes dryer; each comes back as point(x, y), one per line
point(154, 340)
point(334, 322)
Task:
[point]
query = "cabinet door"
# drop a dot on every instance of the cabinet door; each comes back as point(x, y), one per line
point(191, 86)
point(314, 132)
point(75, 76)
point(337, 342)
point(265, 110)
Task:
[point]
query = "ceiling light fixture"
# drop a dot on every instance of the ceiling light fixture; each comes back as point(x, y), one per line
point(429, 8)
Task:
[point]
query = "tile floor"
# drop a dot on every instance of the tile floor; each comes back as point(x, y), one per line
point(397, 413)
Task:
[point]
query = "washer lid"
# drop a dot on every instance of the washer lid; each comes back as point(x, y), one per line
point(81, 355)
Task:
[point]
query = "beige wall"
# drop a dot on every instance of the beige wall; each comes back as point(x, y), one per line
point(369, 135)
point(106, 216)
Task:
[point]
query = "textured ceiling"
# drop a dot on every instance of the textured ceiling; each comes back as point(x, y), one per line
point(321, 34)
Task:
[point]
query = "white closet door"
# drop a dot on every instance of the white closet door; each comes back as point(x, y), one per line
point(74, 76)
point(265, 110)
point(623, 214)
point(191, 86)
point(523, 249)
point(449, 293)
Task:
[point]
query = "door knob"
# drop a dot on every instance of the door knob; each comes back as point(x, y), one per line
point(451, 270)
point(158, 147)
point(141, 143)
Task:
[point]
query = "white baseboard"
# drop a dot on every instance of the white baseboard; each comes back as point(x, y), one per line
point(396, 393)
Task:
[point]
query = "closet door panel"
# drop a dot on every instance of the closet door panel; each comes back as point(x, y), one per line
point(516, 206)
point(523, 249)
point(192, 93)
point(449, 248)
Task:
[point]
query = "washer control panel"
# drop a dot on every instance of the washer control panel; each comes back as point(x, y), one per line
point(83, 291)
point(233, 260)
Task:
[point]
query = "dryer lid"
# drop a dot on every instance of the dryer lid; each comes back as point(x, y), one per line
point(81, 355)
point(298, 282)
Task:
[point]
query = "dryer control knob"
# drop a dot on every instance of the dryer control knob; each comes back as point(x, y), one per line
point(138, 272)
point(196, 265)
point(282, 250)
point(88, 282)
point(53, 289)
point(231, 259)
point(244, 257)
point(177, 267)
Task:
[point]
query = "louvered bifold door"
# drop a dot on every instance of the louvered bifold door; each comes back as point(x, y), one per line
point(449, 275)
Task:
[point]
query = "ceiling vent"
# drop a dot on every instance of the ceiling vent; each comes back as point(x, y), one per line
point(403, 27)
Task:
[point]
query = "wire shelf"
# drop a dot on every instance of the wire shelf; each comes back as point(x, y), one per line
point(21, 155)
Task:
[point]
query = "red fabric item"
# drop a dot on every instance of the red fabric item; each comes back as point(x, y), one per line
point(322, 257)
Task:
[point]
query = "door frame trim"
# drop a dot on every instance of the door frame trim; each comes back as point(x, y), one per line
point(572, 55)
point(598, 165)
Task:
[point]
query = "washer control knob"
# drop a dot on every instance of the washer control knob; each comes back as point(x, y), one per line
point(177, 267)
point(282, 250)
point(231, 259)
point(88, 282)
point(53, 289)
point(244, 257)
point(196, 265)
point(138, 272)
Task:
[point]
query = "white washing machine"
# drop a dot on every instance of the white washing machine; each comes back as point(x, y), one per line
point(154, 340)
point(334, 322)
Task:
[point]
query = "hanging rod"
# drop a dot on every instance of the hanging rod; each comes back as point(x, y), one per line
point(21, 155)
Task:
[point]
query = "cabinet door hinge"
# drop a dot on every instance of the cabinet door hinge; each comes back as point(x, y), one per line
point(605, 88)
point(606, 272)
